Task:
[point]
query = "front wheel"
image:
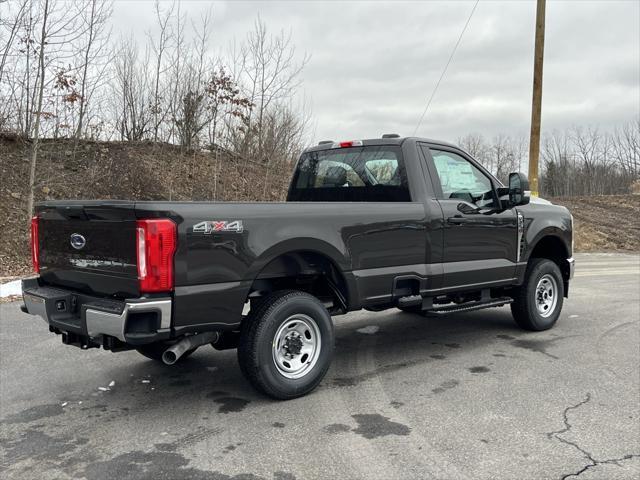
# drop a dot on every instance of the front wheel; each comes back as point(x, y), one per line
point(538, 301)
point(286, 344)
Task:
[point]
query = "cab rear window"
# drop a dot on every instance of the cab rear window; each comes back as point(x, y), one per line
point(355, 174)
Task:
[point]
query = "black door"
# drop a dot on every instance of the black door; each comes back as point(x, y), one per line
point(479, 239)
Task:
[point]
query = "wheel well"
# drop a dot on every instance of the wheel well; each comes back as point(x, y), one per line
point(554, 249)
point(309, 271)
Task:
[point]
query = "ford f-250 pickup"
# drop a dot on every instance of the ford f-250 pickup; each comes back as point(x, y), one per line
point(404, 223)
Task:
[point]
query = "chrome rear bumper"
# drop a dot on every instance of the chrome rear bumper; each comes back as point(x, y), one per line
point(93, 317)
point(100, 322)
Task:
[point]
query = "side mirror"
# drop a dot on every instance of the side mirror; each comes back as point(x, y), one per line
point(518, 186)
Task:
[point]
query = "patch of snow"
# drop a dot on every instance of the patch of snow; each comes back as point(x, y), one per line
point(11, 288)
point(370, 330)
point(112, 383)
point(146, 381)
point(103, 389)
point(64, 404)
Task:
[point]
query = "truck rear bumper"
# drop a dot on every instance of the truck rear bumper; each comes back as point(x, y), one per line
point(92, 320)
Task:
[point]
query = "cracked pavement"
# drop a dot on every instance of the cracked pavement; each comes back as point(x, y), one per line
point(465, 396)
point(594, 462)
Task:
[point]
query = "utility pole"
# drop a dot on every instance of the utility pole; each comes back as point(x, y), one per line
point(536, 107)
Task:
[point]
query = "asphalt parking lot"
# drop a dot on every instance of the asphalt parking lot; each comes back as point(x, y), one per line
point(464, 396)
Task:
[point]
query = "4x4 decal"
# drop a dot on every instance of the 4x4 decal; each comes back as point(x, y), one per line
point(215, 226)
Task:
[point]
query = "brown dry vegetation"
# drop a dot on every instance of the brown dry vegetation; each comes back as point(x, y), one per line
point(148, 171)
point(109, 170)
point(605, 222)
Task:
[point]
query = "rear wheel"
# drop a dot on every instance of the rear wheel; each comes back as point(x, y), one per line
point(154, 351)
point(286, 344)
point(538, 301)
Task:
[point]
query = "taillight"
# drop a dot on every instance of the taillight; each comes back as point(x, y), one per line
point(35, 244)
point(156, 245)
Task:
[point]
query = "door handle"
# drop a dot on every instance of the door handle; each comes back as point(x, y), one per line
point(457, 220)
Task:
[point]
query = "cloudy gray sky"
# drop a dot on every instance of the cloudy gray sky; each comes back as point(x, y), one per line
point(373, 64)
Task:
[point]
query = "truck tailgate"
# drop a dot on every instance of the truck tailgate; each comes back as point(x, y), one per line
point(89, 246)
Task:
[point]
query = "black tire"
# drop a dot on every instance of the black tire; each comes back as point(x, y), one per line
point(524, 308)
point(258, 334)
point(154, 351)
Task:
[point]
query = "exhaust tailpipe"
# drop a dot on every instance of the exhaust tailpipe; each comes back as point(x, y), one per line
point(172, 354)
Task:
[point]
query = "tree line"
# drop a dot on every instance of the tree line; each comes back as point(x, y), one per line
point(64, 75)
point(575, 161)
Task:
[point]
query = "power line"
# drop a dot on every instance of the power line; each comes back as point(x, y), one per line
point(446, 66)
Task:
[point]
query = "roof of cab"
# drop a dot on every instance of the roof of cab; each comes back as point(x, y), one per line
point(328, 144)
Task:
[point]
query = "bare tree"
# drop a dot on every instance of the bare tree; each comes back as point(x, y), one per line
point(177, 68)
point(556, 168)
point(271, 76)
point(626, 147)
point(46, 13)
point(584, 162)
point(159, 49)
point(190, 113)
point(131, 92)
point(283, 139)
point(95, 19)
point(507, 155)
point(12, 26)
point(25, 69)
point(476, 146)
point(592, 149)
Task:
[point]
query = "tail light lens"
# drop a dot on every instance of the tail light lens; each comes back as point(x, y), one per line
point(156, 244)
point(35, 245)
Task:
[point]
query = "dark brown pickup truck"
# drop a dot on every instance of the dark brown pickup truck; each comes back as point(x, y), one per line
point(404, 223)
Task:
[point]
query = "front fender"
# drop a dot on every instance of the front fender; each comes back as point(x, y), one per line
point(551, 231)
point(542, 221)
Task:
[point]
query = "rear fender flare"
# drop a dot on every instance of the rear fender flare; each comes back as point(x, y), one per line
point(339, 259)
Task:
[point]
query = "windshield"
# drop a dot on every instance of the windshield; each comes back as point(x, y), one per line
point(360, 174)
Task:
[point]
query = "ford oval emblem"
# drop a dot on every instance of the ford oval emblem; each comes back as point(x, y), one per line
point(78, 241)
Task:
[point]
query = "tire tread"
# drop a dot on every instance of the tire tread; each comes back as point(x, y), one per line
point(520, 308)
point(248, 346)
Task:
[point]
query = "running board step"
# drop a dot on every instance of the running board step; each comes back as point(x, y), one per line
point(470, 306)
point(410, 301)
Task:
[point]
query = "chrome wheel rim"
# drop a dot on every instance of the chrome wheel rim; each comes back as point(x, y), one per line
point(296, 346)
point(546, 295)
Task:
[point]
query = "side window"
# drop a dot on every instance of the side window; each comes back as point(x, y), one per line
point(460, 179)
